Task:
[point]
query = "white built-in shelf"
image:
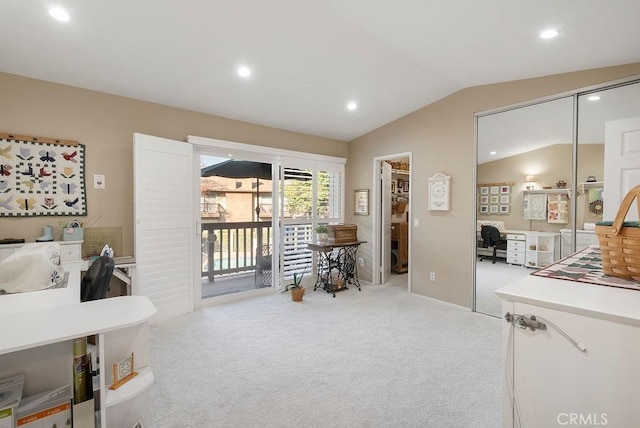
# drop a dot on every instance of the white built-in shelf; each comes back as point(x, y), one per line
point(582, 187)
point(400, 171)
point(548, 192)
point(44, 326)
point(131, 388)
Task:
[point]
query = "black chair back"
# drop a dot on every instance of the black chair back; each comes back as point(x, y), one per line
point(490, 235)
point(95, 282)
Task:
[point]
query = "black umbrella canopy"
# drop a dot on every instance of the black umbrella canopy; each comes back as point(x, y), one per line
point(238, 169)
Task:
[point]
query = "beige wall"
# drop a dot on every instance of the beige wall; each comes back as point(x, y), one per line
point(441, 138)
point(105, 124)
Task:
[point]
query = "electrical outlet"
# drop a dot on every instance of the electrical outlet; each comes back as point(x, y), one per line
point(432, 276)
point(360, 261)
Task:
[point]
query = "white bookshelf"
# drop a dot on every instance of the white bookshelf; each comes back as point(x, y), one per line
point(39, 344)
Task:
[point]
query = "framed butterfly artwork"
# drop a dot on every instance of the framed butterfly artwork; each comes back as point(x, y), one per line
point(41, 177)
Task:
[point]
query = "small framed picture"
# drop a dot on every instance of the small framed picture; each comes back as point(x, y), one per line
point(400, 184)
point(494, 190)
point(405, 186)
point(393, 186)
point(504, 209)
point(484, 199)
point(493, 209)
point(484, 190)
point(494, 199)
point(484, 209)
point(504, 199)
point(361, 201)
point(505, 189)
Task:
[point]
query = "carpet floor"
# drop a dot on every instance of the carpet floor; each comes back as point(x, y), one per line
point(375, 358)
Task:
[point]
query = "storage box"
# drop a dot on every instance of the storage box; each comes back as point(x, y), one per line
point(10, 396)
point(342, 233)
point(72, 234)
point(51, 408)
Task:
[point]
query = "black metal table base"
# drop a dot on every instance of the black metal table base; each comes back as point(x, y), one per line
point(337, 268)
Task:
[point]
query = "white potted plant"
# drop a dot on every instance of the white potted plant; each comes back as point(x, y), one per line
point(322, 232)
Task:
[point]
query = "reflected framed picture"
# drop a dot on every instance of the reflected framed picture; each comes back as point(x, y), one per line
point(405, 186)
point(361, 201)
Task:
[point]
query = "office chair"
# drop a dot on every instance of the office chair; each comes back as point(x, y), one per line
point(263, 266)
point(95, 282)
point(491, 239)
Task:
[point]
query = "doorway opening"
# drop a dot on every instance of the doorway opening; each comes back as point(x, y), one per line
point(392, 217)
point(236, 214)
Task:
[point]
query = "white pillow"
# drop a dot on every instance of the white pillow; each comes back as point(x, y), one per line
point(32, 267)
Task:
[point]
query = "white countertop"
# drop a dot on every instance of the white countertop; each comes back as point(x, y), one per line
point(597, 301)
point(43, 326)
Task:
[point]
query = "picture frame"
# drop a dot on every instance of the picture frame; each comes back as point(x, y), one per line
point(484, 199)
point(393, 186)
point(123, 372)
point(405, 186)
point(493, 209)
point(494, 199)
point(504, 209)
point(484, 190)
point(484, 209)
point(494, 190)
point(361, 201)
point(505, 189)
point(504, 199)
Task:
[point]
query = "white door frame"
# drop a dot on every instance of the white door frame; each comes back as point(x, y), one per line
point(376, 220)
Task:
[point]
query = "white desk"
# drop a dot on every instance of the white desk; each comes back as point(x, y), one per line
point(37, 339)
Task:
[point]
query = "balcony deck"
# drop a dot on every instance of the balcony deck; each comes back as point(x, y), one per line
point(228, 284)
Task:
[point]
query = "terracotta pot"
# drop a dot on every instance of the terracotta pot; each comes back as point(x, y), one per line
point(296, 294)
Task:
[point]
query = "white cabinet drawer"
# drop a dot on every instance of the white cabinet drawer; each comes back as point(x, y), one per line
point(70, 252)
point(515, 258)
point(515, 245)
point(515, 237)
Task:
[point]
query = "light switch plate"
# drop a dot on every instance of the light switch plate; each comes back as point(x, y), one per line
point(98, 181)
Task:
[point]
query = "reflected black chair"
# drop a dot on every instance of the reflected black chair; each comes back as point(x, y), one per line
point(491, 239)
point(263, 266)
point(95, 282)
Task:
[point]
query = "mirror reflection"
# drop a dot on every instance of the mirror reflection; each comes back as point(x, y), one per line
point(525, 159)
point(527, 154)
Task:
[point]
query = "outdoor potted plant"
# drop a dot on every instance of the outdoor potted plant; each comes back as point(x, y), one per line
point(322, 232)
point(297, 290)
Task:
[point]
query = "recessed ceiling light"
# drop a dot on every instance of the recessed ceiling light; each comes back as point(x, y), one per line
point(351, 106)
point(549, 34)
point(244, 71)
point(59, 14)
point(594, 98)
point(493, 153)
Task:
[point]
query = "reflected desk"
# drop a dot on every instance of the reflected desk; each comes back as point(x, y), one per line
point(337, 265)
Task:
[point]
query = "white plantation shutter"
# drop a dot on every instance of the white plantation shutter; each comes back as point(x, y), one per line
point(312, 194)
point(164, 224)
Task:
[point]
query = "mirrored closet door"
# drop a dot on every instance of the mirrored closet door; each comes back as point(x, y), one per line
point(527, 154)
point(524, 176)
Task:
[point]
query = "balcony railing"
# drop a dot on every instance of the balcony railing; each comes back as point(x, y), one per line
point(232, 247)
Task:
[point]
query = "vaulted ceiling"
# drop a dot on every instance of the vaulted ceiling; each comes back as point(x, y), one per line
point(308, 59)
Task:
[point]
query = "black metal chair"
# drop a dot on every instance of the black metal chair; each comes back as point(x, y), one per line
point(95, 282)
point(263, 266)
point(491, 239)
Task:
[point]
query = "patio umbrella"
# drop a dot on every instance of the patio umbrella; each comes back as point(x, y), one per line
point(240, 169)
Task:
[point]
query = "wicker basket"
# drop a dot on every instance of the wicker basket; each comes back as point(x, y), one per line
point(620, 242)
